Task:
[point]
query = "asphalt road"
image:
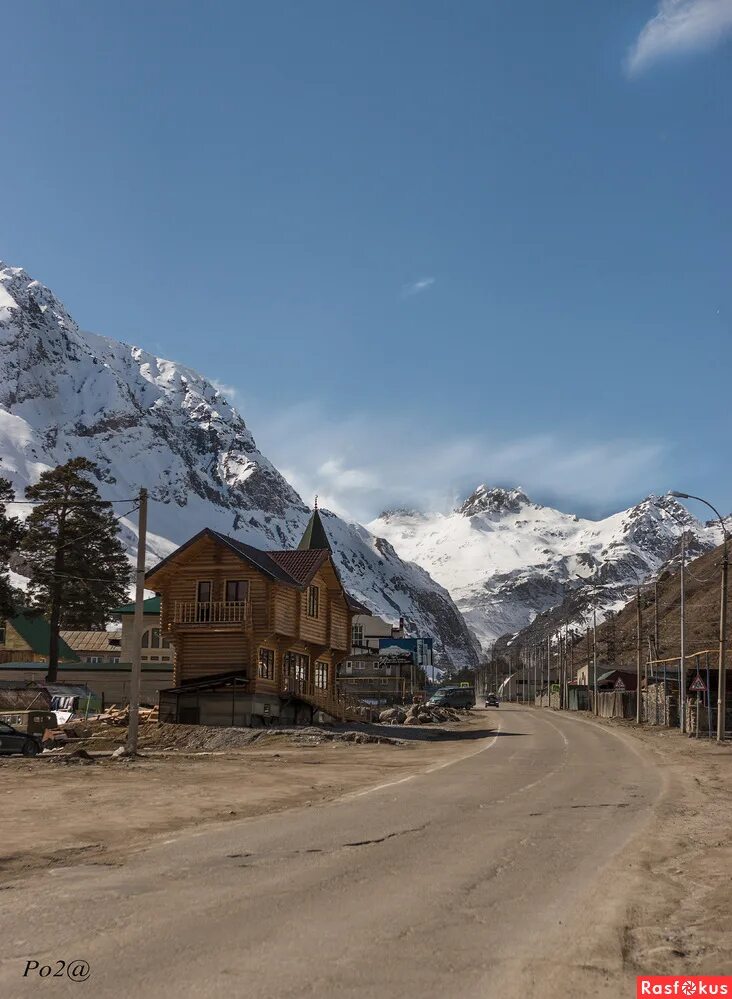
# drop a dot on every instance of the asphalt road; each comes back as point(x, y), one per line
point(502, 874)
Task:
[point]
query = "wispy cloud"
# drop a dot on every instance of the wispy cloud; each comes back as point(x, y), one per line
point(362, 463)
point(680, 26)
point(417, 287)
point(228, 391)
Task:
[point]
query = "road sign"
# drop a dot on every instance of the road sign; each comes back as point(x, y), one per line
point(698, 684)
point(619, 685)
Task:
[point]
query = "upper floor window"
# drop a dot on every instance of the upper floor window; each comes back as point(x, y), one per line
point(357, 634)
point(236, 590)
point(313, 601)
point(2, 633)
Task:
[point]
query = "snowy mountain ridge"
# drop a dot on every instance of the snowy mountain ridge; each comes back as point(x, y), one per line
point(506, 559)
point(147, 421)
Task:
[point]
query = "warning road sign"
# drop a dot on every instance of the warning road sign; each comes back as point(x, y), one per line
point(698, 684)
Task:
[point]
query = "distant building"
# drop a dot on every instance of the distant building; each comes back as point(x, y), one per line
point(156, 646)
point(27, 637)
point(95, 646)
point(367, 630)
point(383, 663)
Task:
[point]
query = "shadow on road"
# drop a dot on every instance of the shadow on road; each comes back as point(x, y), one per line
point(423, 733)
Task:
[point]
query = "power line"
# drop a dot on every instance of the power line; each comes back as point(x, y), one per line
point(63, 502)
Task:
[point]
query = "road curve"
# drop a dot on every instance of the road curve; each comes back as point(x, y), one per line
point(497, 875)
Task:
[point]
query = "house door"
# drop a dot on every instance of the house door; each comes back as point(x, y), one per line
point(203, 600)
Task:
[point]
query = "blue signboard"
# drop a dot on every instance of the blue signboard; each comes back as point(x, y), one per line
point(420, 649)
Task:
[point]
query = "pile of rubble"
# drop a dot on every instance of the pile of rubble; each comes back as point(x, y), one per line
point(420, 714)
point(99, 726)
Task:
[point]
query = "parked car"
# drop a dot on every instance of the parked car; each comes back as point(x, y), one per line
point(12, 740)
point(34, 721)
point(491, 701)
point(453, 697)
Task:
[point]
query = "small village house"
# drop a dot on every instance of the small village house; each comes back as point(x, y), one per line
point(256, 635)
point(94, 646)
point(27, 637)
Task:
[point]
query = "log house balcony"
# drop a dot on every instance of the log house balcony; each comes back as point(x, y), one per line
point(236, 613)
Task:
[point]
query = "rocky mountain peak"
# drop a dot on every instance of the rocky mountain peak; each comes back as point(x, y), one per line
point(493, 500)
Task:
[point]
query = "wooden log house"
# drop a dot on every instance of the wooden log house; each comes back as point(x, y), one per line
point(257, 635)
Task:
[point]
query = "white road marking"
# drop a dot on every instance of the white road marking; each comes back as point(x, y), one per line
point(490, 743)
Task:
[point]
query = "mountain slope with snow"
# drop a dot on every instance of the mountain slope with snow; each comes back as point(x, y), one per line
point(148, 421)
point(505, 559)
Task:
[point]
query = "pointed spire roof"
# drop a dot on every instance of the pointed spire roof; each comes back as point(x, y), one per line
point(315, 536)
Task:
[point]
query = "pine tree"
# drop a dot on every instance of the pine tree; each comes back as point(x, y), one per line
point(77, 565)
point(11, 534)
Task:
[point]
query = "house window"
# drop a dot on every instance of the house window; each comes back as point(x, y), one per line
point(321, 675)
point(236, 590)
point(313, 601)
point(2, 633)
point(93, 659)
point(266, 664)
point(296, 665)
point(357, 634)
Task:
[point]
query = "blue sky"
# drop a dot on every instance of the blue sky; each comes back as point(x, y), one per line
point(426, 244)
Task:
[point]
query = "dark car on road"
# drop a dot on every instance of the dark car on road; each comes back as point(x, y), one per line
point(491, 701)
point(14, 741)
point(453, 697)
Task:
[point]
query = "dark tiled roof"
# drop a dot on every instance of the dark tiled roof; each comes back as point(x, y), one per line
point(261, 559)
point(301, 564)
point(291, 567)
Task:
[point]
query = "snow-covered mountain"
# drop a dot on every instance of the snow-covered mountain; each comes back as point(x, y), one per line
point(505, 559)
point(147, 421)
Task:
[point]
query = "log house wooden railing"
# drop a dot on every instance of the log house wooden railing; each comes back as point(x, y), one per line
point(332, 702)
point(211, 612)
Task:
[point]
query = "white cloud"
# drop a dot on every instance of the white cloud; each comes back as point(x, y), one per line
point(227, 391)
point(680, 26)
point(417, 286)
point(359, 464)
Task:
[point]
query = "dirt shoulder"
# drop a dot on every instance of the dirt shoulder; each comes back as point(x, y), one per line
point(59, 808)
point(677, 916)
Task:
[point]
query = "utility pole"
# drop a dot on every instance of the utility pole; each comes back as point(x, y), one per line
point(682, 642)
point(536, 664)
point(639, 653)
point(656, 640)
point(722, 679)
point(594, 655)
point(137, 626)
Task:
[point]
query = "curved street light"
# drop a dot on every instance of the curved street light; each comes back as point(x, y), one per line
point(722, 677)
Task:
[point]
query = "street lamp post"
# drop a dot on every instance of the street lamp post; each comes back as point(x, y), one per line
point(722, 678)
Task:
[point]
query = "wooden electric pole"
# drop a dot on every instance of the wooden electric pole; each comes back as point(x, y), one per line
point(137, 627)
